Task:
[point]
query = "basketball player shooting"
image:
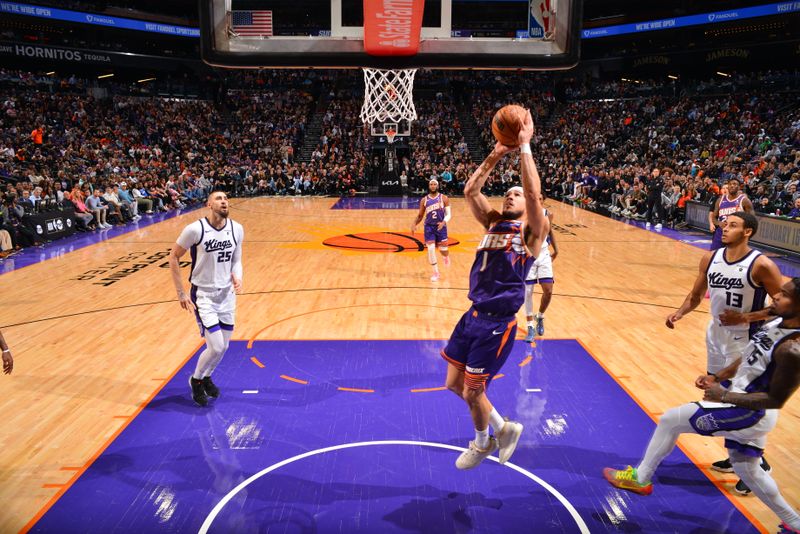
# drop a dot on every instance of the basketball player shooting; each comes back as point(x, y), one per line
point(483, 338)
point(435, 209)
point(215, 243)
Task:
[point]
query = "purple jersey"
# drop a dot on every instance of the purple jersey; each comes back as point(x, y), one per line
point(497, 278)
point(726, 207)
point(729, 207)
point(434, 209)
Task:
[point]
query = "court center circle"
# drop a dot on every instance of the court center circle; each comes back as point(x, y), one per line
point(209, 520)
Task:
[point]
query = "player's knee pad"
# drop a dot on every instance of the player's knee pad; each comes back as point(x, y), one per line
point(432, 253)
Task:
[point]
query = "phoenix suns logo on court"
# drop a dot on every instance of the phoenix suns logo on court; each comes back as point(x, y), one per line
point(381, 242)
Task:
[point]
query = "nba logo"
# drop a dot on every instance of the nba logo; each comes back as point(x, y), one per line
point(539, 18)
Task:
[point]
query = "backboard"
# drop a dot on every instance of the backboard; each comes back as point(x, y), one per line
point(456, 34)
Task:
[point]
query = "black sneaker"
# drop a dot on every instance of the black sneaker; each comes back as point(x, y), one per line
point(723, 466)
point(741, 488)
point(211, 389)
point(198, 392)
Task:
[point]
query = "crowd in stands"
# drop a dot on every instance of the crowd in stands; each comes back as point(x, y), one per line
point(605, 152)
point(116, 154)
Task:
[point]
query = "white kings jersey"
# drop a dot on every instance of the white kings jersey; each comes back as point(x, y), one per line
point(731, 287)
point(216, 253)
point(757, 367)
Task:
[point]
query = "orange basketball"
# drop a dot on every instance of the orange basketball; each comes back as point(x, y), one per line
point(507, 123)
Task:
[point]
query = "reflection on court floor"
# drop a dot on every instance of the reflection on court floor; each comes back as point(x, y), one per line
point(359, 436)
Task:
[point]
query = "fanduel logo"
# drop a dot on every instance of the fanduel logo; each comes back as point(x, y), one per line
point(720, 280)
point(214, 245)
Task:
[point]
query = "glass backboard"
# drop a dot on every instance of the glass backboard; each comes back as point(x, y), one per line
point(466, 34)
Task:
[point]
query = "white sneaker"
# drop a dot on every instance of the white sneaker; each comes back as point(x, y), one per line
point(647, 224)
point(472, 457)
point(435, 278)
point(659, 227)
point(507, 439)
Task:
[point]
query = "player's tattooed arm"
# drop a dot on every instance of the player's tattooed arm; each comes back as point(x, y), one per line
point(785, 381)
point(477, 201)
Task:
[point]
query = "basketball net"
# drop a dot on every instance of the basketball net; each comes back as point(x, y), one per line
point(390, 135)
point(388, 96)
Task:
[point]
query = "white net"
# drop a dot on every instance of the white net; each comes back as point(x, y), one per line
point(388, 96)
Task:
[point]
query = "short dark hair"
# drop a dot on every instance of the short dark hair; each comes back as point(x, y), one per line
point(749, 219)
point(796, 293)
point(734, 179)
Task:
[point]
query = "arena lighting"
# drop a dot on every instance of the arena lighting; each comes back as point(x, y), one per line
point(723, 74)
point(671, 77)
point(50, 73)
point(145, 80)
point(105, 76)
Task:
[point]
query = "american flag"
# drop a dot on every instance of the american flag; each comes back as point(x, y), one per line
point(258, 23)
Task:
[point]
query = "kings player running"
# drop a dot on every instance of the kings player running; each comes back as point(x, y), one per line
point(435, 209)
point(541, 273)
point(726, 204)
point(215, 243)
point(483, 338)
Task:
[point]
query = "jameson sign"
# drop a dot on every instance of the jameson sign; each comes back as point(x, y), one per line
point(54, 53)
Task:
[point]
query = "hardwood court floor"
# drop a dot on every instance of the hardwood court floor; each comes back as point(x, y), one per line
point(97, 331)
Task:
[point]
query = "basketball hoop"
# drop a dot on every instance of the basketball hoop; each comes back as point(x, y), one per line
point(390, 135)
point(388, 96)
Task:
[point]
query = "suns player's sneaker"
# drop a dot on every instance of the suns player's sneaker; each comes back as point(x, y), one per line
point(507, 439)
point(529, 337)
point(198, 392)
point(473, 456)
point(435, 277)
point(540, 325)
point(210, 388)
point(626, 479)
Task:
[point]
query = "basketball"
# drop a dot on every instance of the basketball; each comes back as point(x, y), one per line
point(507, 123)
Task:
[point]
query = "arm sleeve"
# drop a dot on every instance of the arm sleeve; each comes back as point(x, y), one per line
point(190, 235)
point(236, 268)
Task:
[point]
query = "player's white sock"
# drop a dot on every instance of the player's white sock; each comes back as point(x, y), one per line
point(540, 315)
point(763, 485)
point(496, 420)
point(214, 347)
point(482, 438)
